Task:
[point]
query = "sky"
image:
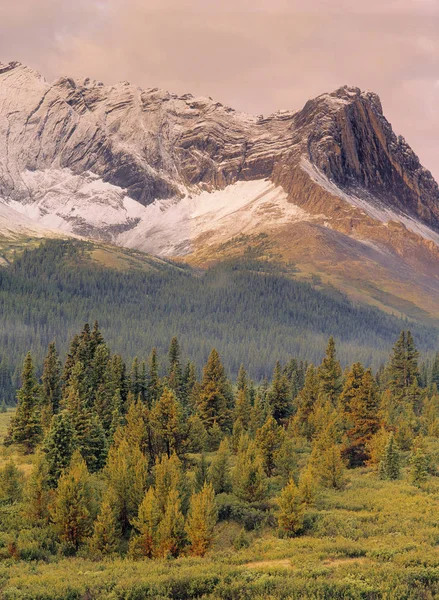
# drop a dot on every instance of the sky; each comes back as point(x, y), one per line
point(257, 56)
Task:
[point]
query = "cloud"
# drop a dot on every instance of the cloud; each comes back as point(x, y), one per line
point(255, 55)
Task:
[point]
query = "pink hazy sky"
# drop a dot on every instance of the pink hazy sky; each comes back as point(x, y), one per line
point(254, 55)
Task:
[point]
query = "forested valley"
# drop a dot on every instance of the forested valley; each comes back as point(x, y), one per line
point(254, 312)
point(316, 482)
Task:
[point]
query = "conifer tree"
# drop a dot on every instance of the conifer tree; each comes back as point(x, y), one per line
point(213, 398)
point(242, 411)
point(242, 380)
point(307, 486)
point(154, 388)
point(59, 445)
point(167, 424)
point(73, 510)
point(190, 389)
point(11, 483)
point(279, 396)
point(25, 428)
point(285, 459)
point(136, 428)
point(201, 473)
point(175, 375)
point(168, 475)
point(135, 382)
point(418, 467)
point(37, 491)
point(126, 473)
point(201, 520)
point(389, 467)
point(51, 381)
point(269, 439)
point(196, 434)
point(352, 383)
point(106, 531)
point(330, 374)
point(219, 470)
point(403, 366)
point(306, 401)
point(364, 420)
point(171, 534)
point(291, 510)
point(326, 460)
point(214, 437)
point(249, 479)
point(146, 524)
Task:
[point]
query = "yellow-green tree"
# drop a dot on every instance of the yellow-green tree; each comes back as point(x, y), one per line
point(146, 524)
point(167, 424)
point(106, 531)
point(291, 510)
point(171, 534)
point(201, 521)
point(74, 508)
point(249, 479)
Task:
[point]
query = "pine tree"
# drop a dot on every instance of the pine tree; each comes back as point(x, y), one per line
point(73, 510)
point(242, 411)
point(136, 428)
point(352, 383)
point(168, 475)
point(201, 520)
point(219, 471)
point(126, 473)
point(106, 532)
point(175, 375)
point(291, 510)
point(59, 445)
point(326, 460)
point(196, 434)
point(146, 524)
point(51, 381)
point(135, 383)
point(249, 479)
point(390, 463)
point(25, 428)
point(279, 396)
point(167, 424)
point(213, 398)
point(330, 374)
point(242, 381)
point(269, 439)
point(171, 534)
point(402, 369)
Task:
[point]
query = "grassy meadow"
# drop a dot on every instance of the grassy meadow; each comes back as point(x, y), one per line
point(374, 539)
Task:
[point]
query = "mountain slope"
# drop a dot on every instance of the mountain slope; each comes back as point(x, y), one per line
point(329, 187)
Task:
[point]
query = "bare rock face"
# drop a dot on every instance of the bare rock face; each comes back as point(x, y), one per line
point(185, 176)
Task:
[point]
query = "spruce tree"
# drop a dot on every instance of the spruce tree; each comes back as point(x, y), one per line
point(126, 474)
point(201, 520)
point(389, 467)
point(154, 387)
point(167, 424)
point(330, 374)
point(73, 510)
point(175, 375)
point(306, 401)
point(168, 475)
point(279, 396)
point(106, 532)
point(307, 486)
point(37, 492)
point(201, 473)
point(402, 369)
point(419, 464)
point(364, 420)
point(249, 479)
point(213, 399)
point(51, 381)
point(219, 470)
point(269, 439)
point(291, 510)
point(285, 459)
point(145, 543)
point(25, 428)
point(11, 483)
point(59, 445)
point(171, 534)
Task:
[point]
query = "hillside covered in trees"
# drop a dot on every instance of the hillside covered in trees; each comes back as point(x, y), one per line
point(191, 469)
point(252, 312)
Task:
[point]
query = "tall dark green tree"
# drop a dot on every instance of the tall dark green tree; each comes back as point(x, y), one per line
point(154, 387)
point(51, 380)
point(59, 445)
point(330, 374)
point(214, 393)
point(25, 428)
point(402, 369)
point(279, 395)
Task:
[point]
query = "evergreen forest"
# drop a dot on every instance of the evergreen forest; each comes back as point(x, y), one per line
point(157, 479)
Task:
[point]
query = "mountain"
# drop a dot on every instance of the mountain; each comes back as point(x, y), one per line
point(329, 187)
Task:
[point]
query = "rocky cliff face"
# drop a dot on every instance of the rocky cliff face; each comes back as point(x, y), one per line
point(184, 176)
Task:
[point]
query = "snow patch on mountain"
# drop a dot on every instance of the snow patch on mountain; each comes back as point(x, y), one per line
point(369, 204)
point(173, 227)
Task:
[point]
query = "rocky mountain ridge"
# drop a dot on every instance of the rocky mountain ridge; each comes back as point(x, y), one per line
point(329, 187)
